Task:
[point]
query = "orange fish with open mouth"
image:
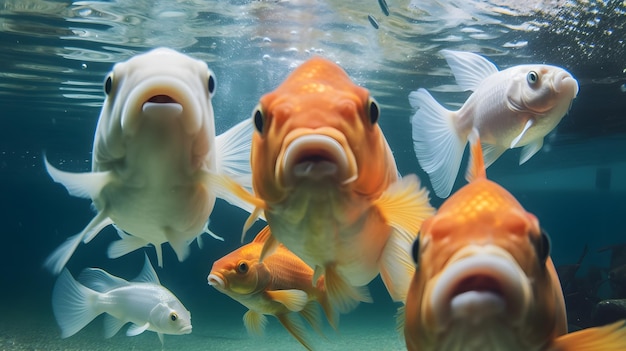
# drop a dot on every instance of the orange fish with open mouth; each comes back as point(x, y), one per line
point(327, 183)
point(279, 286)
point(485, 280)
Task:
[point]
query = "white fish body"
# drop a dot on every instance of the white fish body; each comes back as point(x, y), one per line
point(153, 149)
point(143, 302)
point(516, 107)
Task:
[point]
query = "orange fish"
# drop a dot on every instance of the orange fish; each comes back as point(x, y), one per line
point(279, 286)
point(328, 185)
point(485, 280)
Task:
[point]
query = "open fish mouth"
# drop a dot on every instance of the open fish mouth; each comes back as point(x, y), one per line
point(478, 287)
point(216, 281)
point(162, 96)
point(162, 106)
point(316, 157)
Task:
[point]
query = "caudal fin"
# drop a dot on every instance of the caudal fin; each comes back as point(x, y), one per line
point(438, 147)
point(73, 304)
point(610, 337)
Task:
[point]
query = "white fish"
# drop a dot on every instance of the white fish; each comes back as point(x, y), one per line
point(516, 107)
point(143, 302)
point(153, 151)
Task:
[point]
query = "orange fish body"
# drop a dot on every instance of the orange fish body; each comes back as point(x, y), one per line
point(328, 183)
point(485, 280)
point(279, 286)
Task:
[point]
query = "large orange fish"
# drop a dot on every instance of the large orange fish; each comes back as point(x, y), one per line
point(485, 280)
point(327, 182)
point(279, 286)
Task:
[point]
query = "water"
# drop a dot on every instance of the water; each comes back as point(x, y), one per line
point(55, 55)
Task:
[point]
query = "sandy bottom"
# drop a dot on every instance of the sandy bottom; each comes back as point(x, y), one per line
point(31, 328)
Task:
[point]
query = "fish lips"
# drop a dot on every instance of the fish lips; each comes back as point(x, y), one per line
point(217, 281)
point(162, 97)
point(316, 157)
point(480, 286)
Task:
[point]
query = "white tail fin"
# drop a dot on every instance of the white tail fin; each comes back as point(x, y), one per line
point(73, 304)
point(438, 147)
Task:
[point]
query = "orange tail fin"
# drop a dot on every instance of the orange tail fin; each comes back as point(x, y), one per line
point(610, 337)
point(476, 165)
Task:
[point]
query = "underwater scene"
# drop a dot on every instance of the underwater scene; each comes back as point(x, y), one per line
point(324, 175)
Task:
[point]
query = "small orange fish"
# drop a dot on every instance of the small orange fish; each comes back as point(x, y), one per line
point(485, 280)
point(328, 184)
point(279, 286)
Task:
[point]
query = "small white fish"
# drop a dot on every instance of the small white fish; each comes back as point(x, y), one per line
point(153, 151)
point(516, 107)
point(143, 302)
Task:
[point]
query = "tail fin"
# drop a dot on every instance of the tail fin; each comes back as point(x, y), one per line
point(72, 304)
point(438, 147)
point(610, 337)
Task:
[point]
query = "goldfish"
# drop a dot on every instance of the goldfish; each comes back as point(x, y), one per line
point(327, 184)
point(279, 286)
point(153, 150)
point(515, 107)
point(485, 280)
point(144, 302)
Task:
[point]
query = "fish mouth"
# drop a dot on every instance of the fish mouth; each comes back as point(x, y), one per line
point(216, 281)
point(186, 329)
point(159, 97)
point(317, 157)
point(479, 287)
point(162, 106)
point(563, 82)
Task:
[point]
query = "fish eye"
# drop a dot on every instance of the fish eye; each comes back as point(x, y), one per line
point(242, 268)
point(542, 247)
point(211, 83)
point(532, 77)
point(108, 84)
point(259, 119)
point(372, 110)
point(415, 251)
point(173, 316)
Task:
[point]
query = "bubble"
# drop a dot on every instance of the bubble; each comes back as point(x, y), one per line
point(83, 66)
point(623, 88)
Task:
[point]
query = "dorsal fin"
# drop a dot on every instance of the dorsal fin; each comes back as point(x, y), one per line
point(147, 274)
point(263, 235)
point(476, 166)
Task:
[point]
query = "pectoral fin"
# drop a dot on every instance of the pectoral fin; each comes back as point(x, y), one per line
point(136, 329)
point(293, 299)
point(610, 337)
point(518, 138)
point(404, 205)
point(57, 260)
point(396, 266)
point(86, 185)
